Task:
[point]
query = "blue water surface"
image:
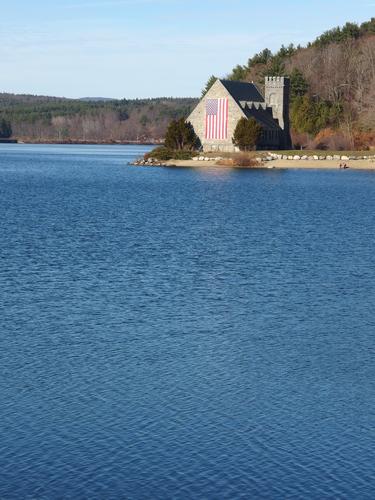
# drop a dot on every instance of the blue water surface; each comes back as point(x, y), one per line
point(184, 333)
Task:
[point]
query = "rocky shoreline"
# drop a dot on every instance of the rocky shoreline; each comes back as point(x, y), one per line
point(272, 159)
point(274, 156)
point(150, 162)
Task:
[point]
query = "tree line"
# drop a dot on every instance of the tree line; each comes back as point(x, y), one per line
point(332, 85)
point(39, 118)
point(332, 98)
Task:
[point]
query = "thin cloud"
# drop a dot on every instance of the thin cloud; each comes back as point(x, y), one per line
point(112, 3)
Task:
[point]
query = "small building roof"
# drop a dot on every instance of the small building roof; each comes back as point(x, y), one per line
point(243, 91)
point(262, 116)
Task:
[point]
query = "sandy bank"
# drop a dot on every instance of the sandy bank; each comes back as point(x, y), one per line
point(283, 164)
point(321, 164)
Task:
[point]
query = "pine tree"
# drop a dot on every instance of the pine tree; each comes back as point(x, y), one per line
point(5, 129)
point(209, 84)
point(181, 136)
point(298, 83)
point(247, 134)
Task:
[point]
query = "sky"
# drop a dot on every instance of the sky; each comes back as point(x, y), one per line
point(149, 48)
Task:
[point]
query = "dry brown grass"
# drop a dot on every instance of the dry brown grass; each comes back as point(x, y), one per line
point(329, 139)
point(239, 160)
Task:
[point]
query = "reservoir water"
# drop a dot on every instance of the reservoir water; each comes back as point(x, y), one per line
point(184, 333)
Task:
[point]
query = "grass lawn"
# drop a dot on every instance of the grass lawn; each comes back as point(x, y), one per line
point(304, 152)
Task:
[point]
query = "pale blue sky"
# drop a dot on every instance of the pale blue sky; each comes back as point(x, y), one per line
point(149, 48)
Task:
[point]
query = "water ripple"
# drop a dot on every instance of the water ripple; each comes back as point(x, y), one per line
point(179, 334)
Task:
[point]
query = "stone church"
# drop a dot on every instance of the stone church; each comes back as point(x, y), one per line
point(217, 114)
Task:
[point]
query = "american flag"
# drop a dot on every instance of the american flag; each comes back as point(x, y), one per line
point(217, 118)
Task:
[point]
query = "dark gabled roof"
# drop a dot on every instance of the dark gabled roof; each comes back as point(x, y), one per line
point(263, 117)
point(243, 91)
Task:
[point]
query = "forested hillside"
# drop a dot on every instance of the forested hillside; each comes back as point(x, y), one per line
point(41, 119)
point(333, 86)
point(332, 104)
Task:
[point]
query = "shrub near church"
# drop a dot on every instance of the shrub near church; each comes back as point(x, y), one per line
point(180, 136)
point(180, 142)
point(247, 134)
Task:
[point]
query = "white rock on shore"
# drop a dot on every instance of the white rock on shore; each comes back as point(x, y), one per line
point(269, 157)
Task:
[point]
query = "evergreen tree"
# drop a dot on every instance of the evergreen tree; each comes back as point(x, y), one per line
point(298, 84)
point(368, 26)
point(181, 136)
point(286, 51)
point(247, 134)
point(238, 73)
point(5, 129)
point(337, 35)
point(262, 57)
point(350, 30)
point(312, 115)
point(209, 84)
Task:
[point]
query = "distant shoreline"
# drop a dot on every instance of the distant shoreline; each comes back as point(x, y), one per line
point(8, 141)
point(87, 143)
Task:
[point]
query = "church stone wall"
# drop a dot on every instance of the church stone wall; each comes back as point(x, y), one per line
point(277, 90)
point(198, 118)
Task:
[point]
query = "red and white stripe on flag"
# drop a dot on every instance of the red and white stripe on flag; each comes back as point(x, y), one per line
point(216, 118)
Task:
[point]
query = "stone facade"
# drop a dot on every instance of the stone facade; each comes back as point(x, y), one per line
point(198, 116)
point(277, 96)
point(244, 101)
